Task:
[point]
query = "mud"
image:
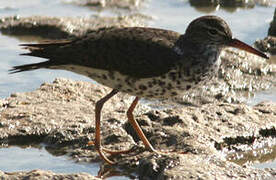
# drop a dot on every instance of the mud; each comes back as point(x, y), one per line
point(61, 115)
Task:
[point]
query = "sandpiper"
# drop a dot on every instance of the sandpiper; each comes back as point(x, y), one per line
point(141, 61)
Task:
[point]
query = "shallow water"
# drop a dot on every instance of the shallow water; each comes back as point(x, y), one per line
point(263, 157)
point(28, 158)
point(268, 95)
point(246, 24)
point(25, 159)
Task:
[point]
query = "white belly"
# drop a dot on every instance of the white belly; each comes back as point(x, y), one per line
point(162, 87)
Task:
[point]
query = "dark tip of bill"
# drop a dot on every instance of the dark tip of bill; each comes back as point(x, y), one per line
point(263, 55)
point(266, 56)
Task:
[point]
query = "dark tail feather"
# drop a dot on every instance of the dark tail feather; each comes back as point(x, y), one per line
point(45, 50)
point(47, 44)
point(29, 67)
point(36, 53)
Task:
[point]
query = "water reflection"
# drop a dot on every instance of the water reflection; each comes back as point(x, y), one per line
point(27, 158)
point(36, 156)
point(259, 158)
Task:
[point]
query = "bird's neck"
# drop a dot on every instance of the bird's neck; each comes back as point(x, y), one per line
point(198, 59)
point(204, 52)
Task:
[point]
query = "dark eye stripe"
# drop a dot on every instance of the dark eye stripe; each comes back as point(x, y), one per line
point(213, 31)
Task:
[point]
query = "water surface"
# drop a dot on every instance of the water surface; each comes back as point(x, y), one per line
point(15, 159)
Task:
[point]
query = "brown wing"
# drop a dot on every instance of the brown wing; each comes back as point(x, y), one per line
point(138, 52)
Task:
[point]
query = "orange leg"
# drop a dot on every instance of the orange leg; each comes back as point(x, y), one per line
point(98, 108)
point(136, 126)
point(139, 131)
point(97, 143)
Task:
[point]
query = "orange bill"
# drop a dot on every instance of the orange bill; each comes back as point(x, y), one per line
point(241, 45)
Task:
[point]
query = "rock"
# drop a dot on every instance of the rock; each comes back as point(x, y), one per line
point(65, 27)
point(265, 2)
point(268, 44)
point(228, 5)
point(61, 114)
point(272, 28)
point(237, 3)
point(102, 4)
point(223, 3)
point(204, 3)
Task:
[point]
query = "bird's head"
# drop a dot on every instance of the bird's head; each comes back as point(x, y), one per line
point(212, 30)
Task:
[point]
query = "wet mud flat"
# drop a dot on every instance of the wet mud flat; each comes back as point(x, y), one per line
point(204, 126)
point(60, 114)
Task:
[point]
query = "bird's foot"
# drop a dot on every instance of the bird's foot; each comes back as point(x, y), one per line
point(166, 152)
point(101, 151)
point(113, 152)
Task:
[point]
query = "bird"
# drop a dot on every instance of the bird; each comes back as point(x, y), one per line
point(141, 61)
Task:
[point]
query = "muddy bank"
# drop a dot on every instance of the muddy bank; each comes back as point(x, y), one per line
point(268, 44)
point(61, 115)
point(66, 27)
point(208, 6)
point(113, 4)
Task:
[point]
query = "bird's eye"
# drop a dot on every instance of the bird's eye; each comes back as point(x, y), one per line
point(213, 32)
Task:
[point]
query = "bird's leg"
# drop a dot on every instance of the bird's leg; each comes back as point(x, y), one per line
point(98, 108)
point(139, 131)
point(136, 126)
point(133, 122)
point(97, 142)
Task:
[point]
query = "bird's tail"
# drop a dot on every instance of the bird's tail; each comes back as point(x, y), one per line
point(45, 50)
point(28, 67)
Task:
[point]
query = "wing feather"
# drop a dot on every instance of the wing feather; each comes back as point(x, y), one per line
point(137, 51)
